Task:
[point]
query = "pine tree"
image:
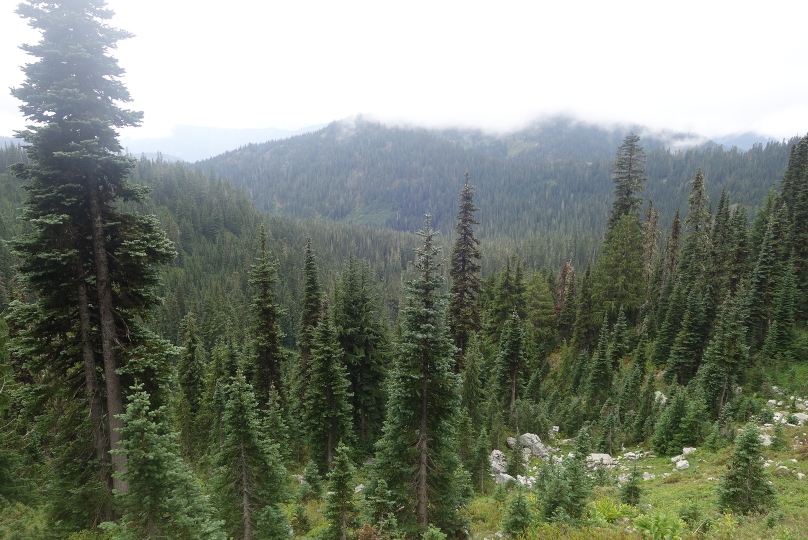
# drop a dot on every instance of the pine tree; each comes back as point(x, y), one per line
point(464, 318)
point(265, 365)
point(164, 500)
point(365, 343)
point(745, 486)
point(327, 413)
point(249, 479)
point(89, 263)
point(340, 508)
point(416, 453)
point(628, 174)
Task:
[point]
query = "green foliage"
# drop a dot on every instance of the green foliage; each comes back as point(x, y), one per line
point(164, 499)
point(249, 476)
point(659, 526)
point(745, 487)
point(327, 413)
point(630, 491)
point(510, 362)
point(340, 508)
point(617, 282)
point(518, 515)
point(416, 456)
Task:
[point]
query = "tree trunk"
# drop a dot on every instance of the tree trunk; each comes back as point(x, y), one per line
point(91, 380)
point(423, 459)
point(108, 338)
point(245, 497)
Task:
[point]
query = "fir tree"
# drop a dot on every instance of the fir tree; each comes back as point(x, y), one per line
point(365, 343)
point(601, 372)
point(584, 331)
point(249, 479)
point(265, 328)
point(471, 393)
point(630, 491)
point(416, 453)
point(164, 500)
point(794, 188)
point(328, 410)
point(510, 362)
point(340, 508)
point(464, 319)
point(191, 391)
point(89, 263)
point(628, 174)
point(518, 515)
point(565, 303)
point(745, 486)
point(310, 314)
point(618, 280)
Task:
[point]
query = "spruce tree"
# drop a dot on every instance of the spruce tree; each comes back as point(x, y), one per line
point(249, 479)
point(584, 331)
point(416, 455)
point(471, 393)
point(191, 387)
point(745, 487)
point(518, 515)
point(794, 188)
point(340, 508)
point(464, 318)
point(89, 263)
point(164, 499)
point(565, 302)
point(618, 279)
point(327, 412)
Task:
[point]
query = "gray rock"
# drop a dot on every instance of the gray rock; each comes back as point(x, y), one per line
point(359, 489)
point(498, 462)
point(682, 465)
point(533, 442)
point(765, 439)
point(687, 451)
point(595, 458)
point(677, 459)
point(502, 478)
point(648, 476)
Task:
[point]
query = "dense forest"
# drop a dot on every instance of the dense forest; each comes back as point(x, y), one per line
point(606, 341)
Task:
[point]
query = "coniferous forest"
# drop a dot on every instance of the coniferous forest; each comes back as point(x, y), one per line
point(386, 333)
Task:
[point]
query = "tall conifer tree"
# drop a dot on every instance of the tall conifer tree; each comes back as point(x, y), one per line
point(628, 174)
point(464, 317)
point(89, 263)
point(416, 455)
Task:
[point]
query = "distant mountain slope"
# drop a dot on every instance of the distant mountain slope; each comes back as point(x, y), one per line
point(554, 178)
point(192, 143)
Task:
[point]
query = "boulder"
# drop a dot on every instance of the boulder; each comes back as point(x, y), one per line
point(800, 476)
point(498, 462)
point(688, 451)
point(648, 476)
point(765, 439)
point(510, 442)
point(359, 489)
point(604, 459)
point(502, 478)
point(802, 417)
point(677, 459)
point(682, 465)
point(533, 442)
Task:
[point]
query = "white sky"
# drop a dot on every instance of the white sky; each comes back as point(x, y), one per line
point(711, 67)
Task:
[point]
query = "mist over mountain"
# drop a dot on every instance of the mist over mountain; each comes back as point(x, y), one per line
point(553, 177)
point(193, 143)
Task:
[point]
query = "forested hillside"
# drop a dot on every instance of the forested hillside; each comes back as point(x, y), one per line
point(175, 363)
point(551, 180)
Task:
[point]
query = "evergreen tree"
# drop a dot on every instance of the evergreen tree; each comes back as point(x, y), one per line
point(510, 362)
point(779, 339)
point(618, 280)
point(339, 504)
point(565, 303)
point(416, 453)
point(601, 371)
point(540, 318)
point(249, 480)
point(328, 409)
point(89, 263)
point(508, 295)
point(727, 354)
point(471, 393)
point(628, 174)
point(686, 350)
point(310, 314)
point(191, 391)
point(745, 486)
point(464, 318)
point(518, 515)
point(583, 331)
point(265, 329)
point(365, 343)
point(630, 491)
point(164, 499)
point(650, 245)
point(794, 188)
point(667, 437)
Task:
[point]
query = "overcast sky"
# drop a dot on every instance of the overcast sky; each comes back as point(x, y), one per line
point(710, 67)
